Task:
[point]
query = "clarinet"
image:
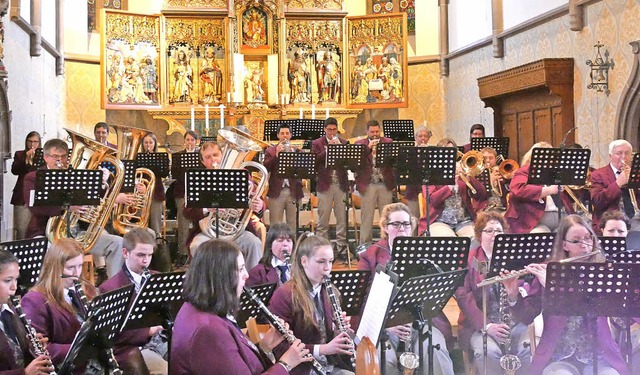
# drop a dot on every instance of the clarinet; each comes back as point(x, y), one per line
point(337, 316)
point(111, 358)
point(275, 322)
point(37, 349)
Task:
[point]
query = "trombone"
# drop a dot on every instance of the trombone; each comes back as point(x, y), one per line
point(472, 164)
point(506, 168)
point(632, 192)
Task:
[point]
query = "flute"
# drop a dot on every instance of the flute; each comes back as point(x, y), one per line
point(275, 322)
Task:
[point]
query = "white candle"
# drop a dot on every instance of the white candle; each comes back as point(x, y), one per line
point(283, 96)
point(301, 114)
point(193, 119)
point(221, 116)
point(326, 113)
point(424, 123)
point(229, 97)
point(206, 116)
point(313, 111)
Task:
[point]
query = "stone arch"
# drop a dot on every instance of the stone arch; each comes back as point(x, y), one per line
point(628, 113)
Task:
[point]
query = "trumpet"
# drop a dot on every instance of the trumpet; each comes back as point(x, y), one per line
point(632, 193)
point(37, 349)
point(524, 271)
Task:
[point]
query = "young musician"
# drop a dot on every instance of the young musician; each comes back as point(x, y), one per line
point(138, 247)
point(211, 156)
point(15, 355)
point(101, 134)
point(469, 296)
point(274, 266)
point(396, 221)
point(374, 184)
point(476, 131)
point(207, 339)
point(566, 345)
point(283, 193)
point(190, 140)
point(23, 163)
point(495, 200)
point(532, 208)
point(609, 185)
point(303, 303)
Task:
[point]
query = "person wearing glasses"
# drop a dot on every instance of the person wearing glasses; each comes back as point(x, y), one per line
point(469, 296)
point(609, 185)
point(567, 343)
point(23, 163)
point(396, 221)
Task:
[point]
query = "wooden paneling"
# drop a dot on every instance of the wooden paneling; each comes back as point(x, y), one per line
point(526, 132)
point(543, 126)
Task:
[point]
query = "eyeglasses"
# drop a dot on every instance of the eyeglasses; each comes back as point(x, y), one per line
point(400, 224)
point(583, 241)
point(493, 231)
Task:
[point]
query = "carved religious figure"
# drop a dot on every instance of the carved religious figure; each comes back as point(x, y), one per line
point(328, 78)
point(299, 78)
point(211, 77)
point(183, 79)
point(254, 29)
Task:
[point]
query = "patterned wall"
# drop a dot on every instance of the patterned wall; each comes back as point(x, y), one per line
point(613, 22)
point(83, 96)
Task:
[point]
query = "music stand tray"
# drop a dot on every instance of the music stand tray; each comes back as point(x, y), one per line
point(512, 252)
point(30, 254)
point(307, 129)
point(129, 181)
point(248, 309)
point(558, 166)
point(437, 166)
point(38, 158)
point(415, 255)
point(217, 188)
point(183, 161)
point(345, 156)
point(271, 129)
point(387, 153)
point(398, 130)
point(157, 162)
point(634, 175)
point(615, 250)
point(352, 286)
point(500, 144)
point(296, 165)
point(66, 187)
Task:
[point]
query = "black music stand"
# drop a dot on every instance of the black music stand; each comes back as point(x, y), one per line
point(342, 157)
point(353, 289)
point(271, 129)
point(105, 316)
point(38, 158)
point(500, 144)
point(419, 300)
point(68, 187)
point(307, 130)
point(417, 256)
point(298, 166)
point(387, 156)
point(157, 303)
point(437, 166)
point(129, 180)
point(217, 188)
point(30, 254)
point(592, 290)
point(559, 166)
point(183, 161)
point(398, 130)
point(248, 309)
point(633, 240)
point(512, 252)
point(634, 175)
point(157, 162)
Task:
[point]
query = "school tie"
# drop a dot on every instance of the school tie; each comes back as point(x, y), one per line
point(7, 322)
point(283, 273)
point(627, 205)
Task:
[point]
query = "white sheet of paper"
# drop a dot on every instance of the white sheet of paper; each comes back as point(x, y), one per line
point(375, 308)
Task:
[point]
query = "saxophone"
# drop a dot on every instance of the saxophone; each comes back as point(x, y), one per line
point(510, 363)
point(337, 316)
point(275, 322)
point(37, 349)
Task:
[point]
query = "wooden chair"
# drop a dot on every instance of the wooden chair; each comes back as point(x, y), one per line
point(88, 269)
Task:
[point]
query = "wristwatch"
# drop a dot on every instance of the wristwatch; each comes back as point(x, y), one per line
point(285, 365)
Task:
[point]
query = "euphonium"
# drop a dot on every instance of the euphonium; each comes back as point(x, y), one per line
point(127, 217)
point(88, 154)
point(231, 222)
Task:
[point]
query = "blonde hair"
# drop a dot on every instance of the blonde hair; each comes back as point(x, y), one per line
point(526, 159)
point(388, 210)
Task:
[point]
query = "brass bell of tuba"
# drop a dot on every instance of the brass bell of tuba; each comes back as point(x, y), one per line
point(127, 217)
point(237, 151)
point(88, 154)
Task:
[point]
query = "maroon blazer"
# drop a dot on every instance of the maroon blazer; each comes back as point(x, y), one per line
point(378, 253)
point(8, 364)
point(412, 192)
point(440, 193)
point(605, 194)
point(524, 209)
point(263, 274)
point(39, 214)
point(131, 340)
point(282, 306)
point(59, 325)
point(205, 343)
point(363, 177)
point(526, 309)
point(319, 148)
point(20, 168)
point(275, 181)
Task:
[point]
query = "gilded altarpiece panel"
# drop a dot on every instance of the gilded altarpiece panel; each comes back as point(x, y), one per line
point(313, 4)
point(377, 61)
point(314, 58)
point(130, 61)
point(196, 67)
point(208, 4)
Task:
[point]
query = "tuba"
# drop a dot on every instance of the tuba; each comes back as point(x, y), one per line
point(88, 154)
point(237, 153)
point(127, 217)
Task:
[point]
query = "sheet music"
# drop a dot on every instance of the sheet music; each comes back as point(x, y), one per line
point(375, 309)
